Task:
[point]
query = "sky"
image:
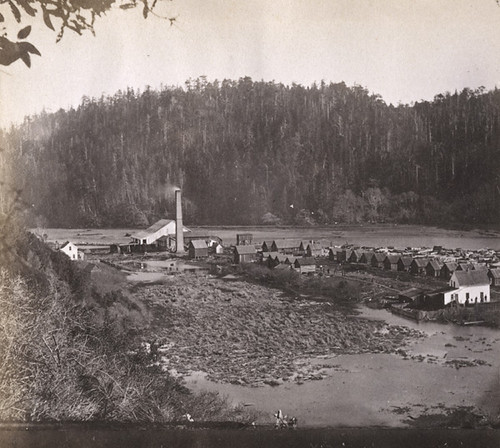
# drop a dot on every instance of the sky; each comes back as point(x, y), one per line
point(403, 50)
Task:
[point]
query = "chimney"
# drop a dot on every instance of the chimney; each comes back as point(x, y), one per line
point(179, 234)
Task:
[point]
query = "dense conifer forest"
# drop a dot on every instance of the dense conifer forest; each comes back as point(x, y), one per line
point(247, 152)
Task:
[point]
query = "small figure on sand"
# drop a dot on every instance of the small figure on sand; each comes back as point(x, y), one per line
point(283, 422)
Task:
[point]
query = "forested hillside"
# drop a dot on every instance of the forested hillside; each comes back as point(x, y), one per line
point(248, 152)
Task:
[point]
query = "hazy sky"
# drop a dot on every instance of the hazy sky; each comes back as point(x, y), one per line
point(404, 50)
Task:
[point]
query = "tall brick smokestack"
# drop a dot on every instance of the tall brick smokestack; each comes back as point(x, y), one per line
point(179, 234)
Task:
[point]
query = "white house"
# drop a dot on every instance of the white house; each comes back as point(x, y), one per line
point(70, 250)
point(470, 287)
point(163, 227)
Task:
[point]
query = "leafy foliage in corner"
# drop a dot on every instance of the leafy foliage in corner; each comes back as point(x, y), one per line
point(250, 152)
point(75, 15)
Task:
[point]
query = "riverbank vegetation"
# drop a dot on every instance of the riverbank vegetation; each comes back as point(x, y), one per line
point(63, 360)
point(249, 152)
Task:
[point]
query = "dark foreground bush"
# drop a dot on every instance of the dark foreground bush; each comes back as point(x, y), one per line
point(58, 362)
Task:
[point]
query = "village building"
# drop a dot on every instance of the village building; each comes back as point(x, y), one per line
point(433, 268)
point(340, 255)
point(161, 228)
point(391, 262)
point(448, 269)
point(275, 258)
point(216, 248)
point(494, 276)
point(290, 260)
point(411, 295)
point(366, 257)
point(470, 287)
point(404, 264)
point(436, 300)
point(244, 254)
point(465, 266)
point(244, 239)
point(268, 258)
point(70, 250)
point(266, 246)
point(305, 265)
point(377, 260)
point(314, 249)
point(418, 265)
point(302, 248)
point(286, 246)
point(354, 256)
point(197, 249)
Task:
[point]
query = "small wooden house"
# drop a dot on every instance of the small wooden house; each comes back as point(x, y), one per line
point(366, 257)
point(465, 266)
point(418, 265)
point(494, 276)
point(340, 255)
point(244, 254)
point(448, 269)
point(305, 265)
point(377, 260)
point(266, 246)
point(391, 262)
point(270, 259)
point(433, 268)
point(70, 250)
point(404, 264)
point(354, 256)
point(281, 258)
point(314, 249)
point(197, 249)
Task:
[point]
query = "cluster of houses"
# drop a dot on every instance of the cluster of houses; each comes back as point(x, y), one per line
point(437, 263)
point(468, 275)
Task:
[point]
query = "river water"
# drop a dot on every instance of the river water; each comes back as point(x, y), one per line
point(385, 389)
point(399, 236)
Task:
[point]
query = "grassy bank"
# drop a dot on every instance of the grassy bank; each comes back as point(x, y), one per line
point(71, 352)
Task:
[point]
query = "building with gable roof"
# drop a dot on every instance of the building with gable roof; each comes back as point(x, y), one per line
point(470, 287)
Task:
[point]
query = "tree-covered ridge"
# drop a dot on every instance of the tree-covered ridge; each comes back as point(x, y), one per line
point(248, 152)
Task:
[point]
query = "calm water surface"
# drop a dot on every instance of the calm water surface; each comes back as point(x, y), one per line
point(368, 389)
